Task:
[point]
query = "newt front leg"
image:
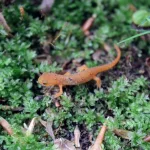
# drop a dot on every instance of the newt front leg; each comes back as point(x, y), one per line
point(61, 87)
point(60, 92)
point(98, 82)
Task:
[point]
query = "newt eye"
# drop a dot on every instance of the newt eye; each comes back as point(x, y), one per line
point(44, 83)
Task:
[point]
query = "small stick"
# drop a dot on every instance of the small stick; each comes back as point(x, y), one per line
point(6, 126)
point(11, 108)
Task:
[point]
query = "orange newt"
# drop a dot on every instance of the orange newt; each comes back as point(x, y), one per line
point(83, 75)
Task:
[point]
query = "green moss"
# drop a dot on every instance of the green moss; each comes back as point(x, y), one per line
point(124, 101)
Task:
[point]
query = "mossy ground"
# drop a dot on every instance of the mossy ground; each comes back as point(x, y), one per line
point(124, 96)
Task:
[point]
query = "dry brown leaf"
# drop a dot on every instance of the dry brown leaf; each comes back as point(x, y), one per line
point(4, 23)
point(132, 7)
point(99, 139)
point(6, 126)
point(147, 62)
point(57, 104)
point(64, 144)
point(22, 11)
point(147, 139)
point(46, 5)
point(31, 126)
point(48, 127)
point(77, 136)
point(125, 134)
point(43, 122)
point(87, 25)
point(107, 47)
point(96, 55)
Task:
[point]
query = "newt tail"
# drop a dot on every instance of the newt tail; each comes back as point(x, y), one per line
point(111, 64)
point(83, 75)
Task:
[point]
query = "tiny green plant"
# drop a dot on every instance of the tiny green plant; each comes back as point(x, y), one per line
point(133, 37)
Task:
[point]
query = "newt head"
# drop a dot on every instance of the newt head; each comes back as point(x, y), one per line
point(48, 79)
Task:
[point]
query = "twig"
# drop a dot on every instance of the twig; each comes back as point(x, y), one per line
point(11, 108)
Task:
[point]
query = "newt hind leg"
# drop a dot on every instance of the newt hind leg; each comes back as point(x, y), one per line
point(98, 82)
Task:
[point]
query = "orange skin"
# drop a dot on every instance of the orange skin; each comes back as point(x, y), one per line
point(83, 75)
